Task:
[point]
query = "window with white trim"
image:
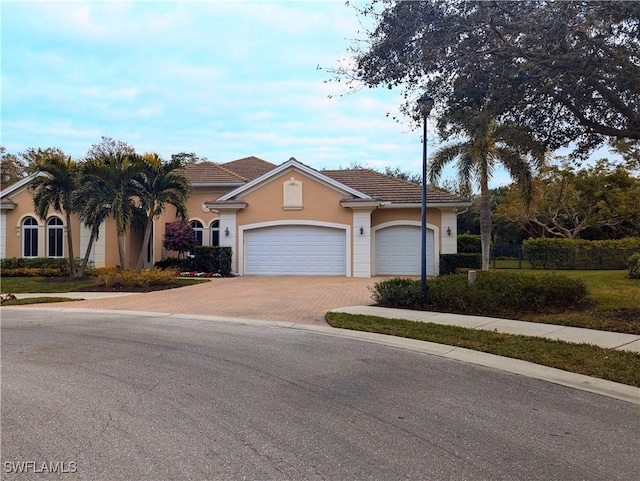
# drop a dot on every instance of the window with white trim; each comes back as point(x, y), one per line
point(198, 229)
point(55, 237)
point(29, 237)
point(215, 233)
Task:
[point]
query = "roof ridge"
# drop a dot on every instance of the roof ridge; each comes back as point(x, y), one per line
point(232, 172)
point(218, 166)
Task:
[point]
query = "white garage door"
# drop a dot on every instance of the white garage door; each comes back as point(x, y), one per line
point(398, 251)
point(295, 250)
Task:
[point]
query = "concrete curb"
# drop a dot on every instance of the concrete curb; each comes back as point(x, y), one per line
point(557, 376)
point(609, 340)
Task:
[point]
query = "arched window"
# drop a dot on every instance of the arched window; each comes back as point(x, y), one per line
point(29, 237)
point(199, 231)
point(55, 236)
point(215, 233)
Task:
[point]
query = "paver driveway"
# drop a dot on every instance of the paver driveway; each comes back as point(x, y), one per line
point(303, 299)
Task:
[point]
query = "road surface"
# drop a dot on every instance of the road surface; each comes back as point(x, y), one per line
point(110, 396)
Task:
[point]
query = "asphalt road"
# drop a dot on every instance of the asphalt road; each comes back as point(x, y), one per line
point(122, 397)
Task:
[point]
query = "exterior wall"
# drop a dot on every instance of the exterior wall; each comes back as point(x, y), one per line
point(3, 234)
point(12, 230)
point(319, 202)
point(381, 216)
point(196, 211)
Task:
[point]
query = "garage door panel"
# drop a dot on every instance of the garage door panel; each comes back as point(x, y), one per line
point(398, 251)
point(295, 250)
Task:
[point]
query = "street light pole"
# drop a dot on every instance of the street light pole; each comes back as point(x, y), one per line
point(425, 103)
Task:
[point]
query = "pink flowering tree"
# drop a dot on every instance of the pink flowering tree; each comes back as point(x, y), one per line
point(179, 237)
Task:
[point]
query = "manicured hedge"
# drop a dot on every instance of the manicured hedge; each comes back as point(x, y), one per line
point(492, 294)
point(469, 244)
point(34, 267)
point(33, 272)
point(579, 253)
point(450, 262)
point(206, 259)
point(212, 259)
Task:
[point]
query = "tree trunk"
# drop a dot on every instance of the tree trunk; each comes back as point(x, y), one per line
point(145, 244)
point(121, 251)
point(485, 225)
point(85, 259)
point(72, 259)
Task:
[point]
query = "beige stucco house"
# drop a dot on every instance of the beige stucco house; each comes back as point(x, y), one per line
point(288, 219)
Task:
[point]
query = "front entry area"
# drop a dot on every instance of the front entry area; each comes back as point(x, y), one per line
point(295, 250)
point(398, 251)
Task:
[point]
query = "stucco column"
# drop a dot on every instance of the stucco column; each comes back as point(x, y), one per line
point(227, 213)
point(362, 242)
point(228, 223)
point(99, 249)
point(449, 243)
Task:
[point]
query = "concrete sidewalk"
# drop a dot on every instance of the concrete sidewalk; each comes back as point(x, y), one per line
point(611, 340)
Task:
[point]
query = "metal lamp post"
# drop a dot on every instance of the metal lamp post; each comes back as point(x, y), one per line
point(425, 104)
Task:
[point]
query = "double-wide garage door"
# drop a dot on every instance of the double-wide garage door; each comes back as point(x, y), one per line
point(295, 250)
point(398, 251)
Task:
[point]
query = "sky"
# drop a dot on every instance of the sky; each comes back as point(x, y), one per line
point(222, 79)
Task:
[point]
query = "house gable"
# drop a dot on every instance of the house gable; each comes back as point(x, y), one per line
point(317, 201)
point(345, 190)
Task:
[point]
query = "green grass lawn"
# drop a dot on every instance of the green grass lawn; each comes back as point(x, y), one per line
point(37, 300)
point(614, 306)
point(615, 302)
point(617, 366)
point(22, 285)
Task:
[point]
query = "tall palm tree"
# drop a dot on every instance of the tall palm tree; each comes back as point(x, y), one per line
point(160, 184)
point(489, 143)
point(111, 180)
point(54, 191)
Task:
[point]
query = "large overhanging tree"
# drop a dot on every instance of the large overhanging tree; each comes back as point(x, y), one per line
point(565, 71)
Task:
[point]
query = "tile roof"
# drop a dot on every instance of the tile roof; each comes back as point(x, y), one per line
point(210, 172)
point(390, 189)
point(249, 167)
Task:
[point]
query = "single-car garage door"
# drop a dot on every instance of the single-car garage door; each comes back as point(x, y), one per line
point(398, 251)
point(295, 250)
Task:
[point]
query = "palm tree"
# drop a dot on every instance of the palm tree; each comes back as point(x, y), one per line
point(160, 184)
point(488, 144)
point(110, 179)
point(54, 191)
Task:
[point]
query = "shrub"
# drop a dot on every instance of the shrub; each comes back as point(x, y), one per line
point(634, 266)
point(33, 272)
point(398, 292)
point(493, 294)
point(545, 253)
point(469, 244)
point(212, 259)
point(450, 262)
point(59, 264)
point(174, 263)
point(116, 277)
